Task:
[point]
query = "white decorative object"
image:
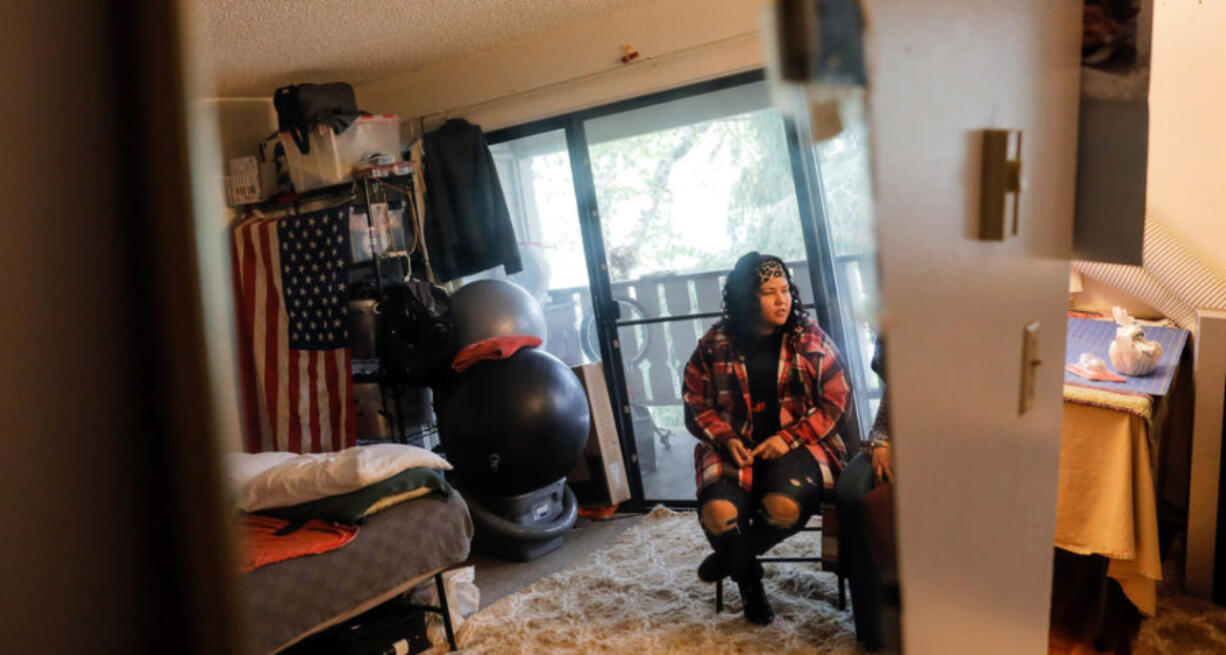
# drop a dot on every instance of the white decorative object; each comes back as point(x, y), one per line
point(1131, 353)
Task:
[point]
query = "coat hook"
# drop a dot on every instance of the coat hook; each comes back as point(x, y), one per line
point(1000, 184)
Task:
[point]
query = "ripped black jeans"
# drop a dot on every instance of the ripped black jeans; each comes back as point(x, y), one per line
point(786, 492)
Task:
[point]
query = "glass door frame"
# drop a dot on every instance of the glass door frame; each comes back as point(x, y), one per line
point(818, 250)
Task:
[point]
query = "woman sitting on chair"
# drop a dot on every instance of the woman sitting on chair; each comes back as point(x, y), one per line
point(765, 394)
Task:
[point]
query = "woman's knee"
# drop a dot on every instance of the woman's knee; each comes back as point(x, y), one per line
point(719, 516)
point(780, 511)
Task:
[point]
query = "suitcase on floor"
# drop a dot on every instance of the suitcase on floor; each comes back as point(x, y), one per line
point(393, 628)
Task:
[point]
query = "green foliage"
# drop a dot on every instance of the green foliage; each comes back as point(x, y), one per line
point(655, 193)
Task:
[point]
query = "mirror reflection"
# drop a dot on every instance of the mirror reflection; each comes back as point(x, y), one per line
point(509, 357)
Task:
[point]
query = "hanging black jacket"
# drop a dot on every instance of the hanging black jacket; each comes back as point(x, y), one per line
point(468, 227)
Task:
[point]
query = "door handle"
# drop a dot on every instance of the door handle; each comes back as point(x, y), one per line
point(613, 309)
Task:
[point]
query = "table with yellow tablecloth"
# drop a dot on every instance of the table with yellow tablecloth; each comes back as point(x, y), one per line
point(1106, 504)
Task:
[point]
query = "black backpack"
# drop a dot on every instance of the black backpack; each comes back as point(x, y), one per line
point(302, 107)
point(414, 336)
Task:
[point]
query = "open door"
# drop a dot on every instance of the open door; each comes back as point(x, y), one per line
point(976, 489)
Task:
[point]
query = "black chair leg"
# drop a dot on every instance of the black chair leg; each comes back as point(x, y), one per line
point(719, 596)
point(842, 591)
point(444, 609)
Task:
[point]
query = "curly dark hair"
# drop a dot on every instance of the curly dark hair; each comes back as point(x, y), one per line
point(741, 305)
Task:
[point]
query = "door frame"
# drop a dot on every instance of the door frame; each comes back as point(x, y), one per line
point(816, 235)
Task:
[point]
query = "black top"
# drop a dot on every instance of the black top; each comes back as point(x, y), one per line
point(762, 365)
point(468, 227)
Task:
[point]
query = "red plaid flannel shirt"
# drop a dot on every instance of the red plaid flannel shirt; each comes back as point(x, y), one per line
point(813, 395)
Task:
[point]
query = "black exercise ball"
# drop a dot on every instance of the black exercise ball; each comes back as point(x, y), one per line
point(514, 425)
point(494, 308)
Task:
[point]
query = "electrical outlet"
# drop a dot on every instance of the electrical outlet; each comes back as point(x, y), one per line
point(1030, 362)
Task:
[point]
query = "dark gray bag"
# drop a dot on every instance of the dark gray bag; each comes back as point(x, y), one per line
point(302, 107)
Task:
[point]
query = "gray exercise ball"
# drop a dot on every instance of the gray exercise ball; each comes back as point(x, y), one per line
point(494, 308)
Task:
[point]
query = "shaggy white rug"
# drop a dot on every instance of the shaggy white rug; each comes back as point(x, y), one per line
point(642, 595)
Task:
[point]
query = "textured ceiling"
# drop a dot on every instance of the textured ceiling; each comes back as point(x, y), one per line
point(256, 46)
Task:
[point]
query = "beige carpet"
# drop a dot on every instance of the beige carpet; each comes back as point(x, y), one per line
point(641, 595)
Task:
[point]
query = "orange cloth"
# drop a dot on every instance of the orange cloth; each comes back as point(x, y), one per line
point(261, 545)
point(493, 348)
point(598, 513)
point(1106, 503)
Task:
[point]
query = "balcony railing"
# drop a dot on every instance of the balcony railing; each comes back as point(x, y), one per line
point(654, 354)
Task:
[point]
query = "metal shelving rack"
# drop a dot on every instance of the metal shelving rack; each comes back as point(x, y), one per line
point(364, 192)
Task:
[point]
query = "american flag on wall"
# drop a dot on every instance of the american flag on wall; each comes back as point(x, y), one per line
point(290, 277)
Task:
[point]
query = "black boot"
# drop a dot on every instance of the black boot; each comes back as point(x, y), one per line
point(713, 568)
point(753, 597)
point(733, 551)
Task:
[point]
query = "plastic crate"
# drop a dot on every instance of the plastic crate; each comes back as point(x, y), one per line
point(332, 157)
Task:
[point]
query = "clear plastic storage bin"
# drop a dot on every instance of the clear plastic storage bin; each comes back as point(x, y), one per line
point(333, 156)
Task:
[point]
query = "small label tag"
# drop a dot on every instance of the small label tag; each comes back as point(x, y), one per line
point(540, 511)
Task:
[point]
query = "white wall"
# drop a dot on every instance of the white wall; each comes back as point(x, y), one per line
point(243, 123)
point(679, 41)
point(976, 487)
point(223, 128)
point(1100, 297)
point(1187, 134)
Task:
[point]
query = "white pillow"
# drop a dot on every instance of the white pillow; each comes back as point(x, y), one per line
point(242, 468)
point(308, 477)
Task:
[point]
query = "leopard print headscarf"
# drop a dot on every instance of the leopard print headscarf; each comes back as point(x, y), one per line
point(770, 269)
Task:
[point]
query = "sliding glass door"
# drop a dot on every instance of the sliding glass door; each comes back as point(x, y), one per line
point(683, 188)
point(664, 194)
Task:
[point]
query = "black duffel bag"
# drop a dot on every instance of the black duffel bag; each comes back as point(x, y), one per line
point(302, 107)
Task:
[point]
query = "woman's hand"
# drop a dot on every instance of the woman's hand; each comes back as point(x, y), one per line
point(773, 447)
point(883, 469)
point(740, 454)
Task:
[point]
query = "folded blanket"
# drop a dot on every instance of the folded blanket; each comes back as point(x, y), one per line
point(263, 542)
point(350, 508)
point(493, 348)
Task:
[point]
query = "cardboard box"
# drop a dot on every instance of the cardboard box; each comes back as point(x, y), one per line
point(599, 478)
